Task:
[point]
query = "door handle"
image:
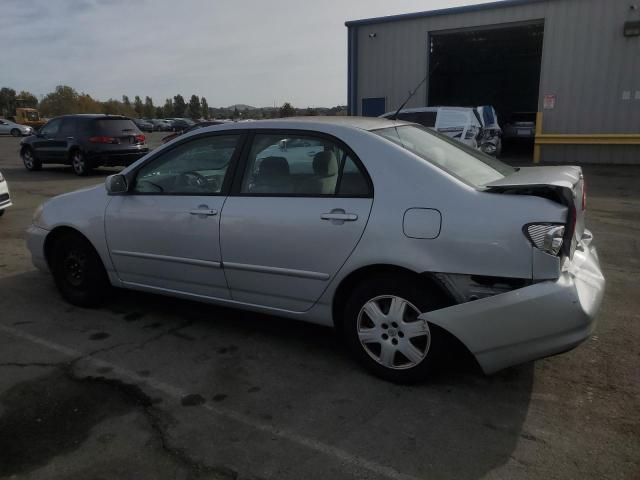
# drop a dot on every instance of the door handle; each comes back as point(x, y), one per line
point(339, 215)
point(203, 211)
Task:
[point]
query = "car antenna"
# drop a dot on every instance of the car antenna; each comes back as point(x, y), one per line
point(412, 93)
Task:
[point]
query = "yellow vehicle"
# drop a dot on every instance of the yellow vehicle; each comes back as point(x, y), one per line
point(30, 117)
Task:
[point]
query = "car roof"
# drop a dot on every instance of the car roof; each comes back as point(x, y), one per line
point(362, 123)
point(94, 115)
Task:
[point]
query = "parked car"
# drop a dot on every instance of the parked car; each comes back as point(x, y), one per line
point(491, 138)
point(5, 196)
point(84, 142)
point(521, 125)
point(181, 124)
point(207, 123)
point(460, 123)
point(456, 243)
point(7, 127)
point(143, 125)
point(161, 125)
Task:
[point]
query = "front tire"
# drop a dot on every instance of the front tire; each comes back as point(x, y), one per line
point(382, 330)
point(15, 132)
point(78, 271)
point(30, 161)
point(80, 164)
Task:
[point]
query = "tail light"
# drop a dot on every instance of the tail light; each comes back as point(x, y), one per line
point(548, 237)
point(103, 139)
point(140, 138)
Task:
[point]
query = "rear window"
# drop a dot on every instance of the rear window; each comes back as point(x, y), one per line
point(467, 164)
point(428, 119)
point(114, 127)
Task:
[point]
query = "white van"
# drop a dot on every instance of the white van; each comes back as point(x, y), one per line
point(459, 123)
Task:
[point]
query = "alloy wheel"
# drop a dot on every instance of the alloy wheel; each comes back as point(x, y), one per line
point(78, 163)
point(391, 333)
point(27, 158)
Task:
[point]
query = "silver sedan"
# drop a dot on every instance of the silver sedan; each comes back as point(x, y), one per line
point(7, 127)
point(397, 236)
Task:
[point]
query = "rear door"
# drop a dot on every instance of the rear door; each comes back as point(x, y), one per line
point(63, 138)
point(296, 212)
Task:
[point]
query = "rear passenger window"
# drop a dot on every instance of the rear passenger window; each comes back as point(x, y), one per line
point(301, 166)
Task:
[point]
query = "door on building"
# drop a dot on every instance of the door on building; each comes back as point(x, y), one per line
point(373, 107)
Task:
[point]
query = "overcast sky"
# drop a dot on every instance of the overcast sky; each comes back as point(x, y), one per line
point(257, 52)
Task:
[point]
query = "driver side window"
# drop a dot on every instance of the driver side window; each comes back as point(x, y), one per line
point(197, 167)
point(51, 129)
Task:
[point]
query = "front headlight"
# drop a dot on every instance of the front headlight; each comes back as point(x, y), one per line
point(1, 177)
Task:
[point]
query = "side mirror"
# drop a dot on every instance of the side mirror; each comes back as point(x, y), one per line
point(116, 184)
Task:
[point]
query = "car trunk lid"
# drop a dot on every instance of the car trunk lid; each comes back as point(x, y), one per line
point(560, 183)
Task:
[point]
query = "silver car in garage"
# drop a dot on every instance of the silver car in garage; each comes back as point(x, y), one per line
point(397, 236)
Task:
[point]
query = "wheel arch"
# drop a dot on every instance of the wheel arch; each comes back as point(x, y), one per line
point(60, 232)
point(342, 292)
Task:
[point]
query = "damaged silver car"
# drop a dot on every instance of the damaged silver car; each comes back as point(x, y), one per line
point(397, 236)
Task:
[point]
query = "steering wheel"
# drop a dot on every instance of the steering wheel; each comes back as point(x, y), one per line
point(192, 179)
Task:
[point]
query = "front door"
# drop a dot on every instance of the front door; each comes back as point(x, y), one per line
point(293, 220)
point(45, 142)
point(164, 234)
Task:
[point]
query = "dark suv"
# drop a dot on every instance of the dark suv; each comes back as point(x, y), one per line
point(84, 142)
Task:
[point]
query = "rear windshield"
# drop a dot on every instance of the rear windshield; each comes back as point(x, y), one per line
point(465, 163)
point(114, 126)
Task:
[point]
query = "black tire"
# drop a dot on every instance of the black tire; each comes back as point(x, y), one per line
point(80, 164)
point(30, 160)
point(78, 271)
point(2, 212)
point(15, 132)
point(380, 289)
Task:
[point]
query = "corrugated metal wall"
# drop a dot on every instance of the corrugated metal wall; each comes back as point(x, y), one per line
point(587, 63)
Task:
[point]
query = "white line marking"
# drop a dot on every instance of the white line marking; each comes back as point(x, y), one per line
point(177, 394)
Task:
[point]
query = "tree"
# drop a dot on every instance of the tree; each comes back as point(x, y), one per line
point(26, 100)
point(137, 106)
point(204, 107)
point(311, 112)
point(126, 101)
point(148, 110)
point(179, 106)
point(7, 101)
point(194, 107)
point(86, 104)
point(168, 108)
point(287, 110)
point(159, 113)
point(62, 101)
point(236, 113)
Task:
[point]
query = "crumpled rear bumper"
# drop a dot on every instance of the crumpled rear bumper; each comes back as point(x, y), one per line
point(532, 322)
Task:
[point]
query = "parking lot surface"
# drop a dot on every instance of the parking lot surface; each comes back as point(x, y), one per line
point(157, 388)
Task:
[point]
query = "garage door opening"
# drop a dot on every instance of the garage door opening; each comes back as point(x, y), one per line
point(496, 66)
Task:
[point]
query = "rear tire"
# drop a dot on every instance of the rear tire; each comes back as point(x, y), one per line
point(382, 331)
point(78, 271)
point(80, 164)
point(15, 132)
point(30, 160)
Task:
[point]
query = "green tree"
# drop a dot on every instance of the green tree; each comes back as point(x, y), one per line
point(311, 112)
point(62, 101)
point(159, 113)
point(204, 108)
point(7, 101)
point(86, 104)
point(236, 113)
point(194, 107)
point(125, 101)
point(286, 110)
point(137, 106)
point(179, 106)
point(148, 110)
point(26, 100)
point(168, 108)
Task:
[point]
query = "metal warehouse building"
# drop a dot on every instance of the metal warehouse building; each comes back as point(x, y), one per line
point(573, 63)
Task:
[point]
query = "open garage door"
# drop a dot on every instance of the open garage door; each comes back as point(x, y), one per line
point(497, 66)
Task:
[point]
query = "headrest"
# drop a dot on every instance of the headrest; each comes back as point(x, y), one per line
point(325, 164)
point(272, 166)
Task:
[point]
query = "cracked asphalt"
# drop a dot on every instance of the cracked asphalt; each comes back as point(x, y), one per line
point(155, 388)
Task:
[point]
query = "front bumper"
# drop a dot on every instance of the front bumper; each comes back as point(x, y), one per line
point(532, 322)
point(35, 243)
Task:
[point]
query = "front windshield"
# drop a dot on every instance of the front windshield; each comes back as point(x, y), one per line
point(465, 163)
